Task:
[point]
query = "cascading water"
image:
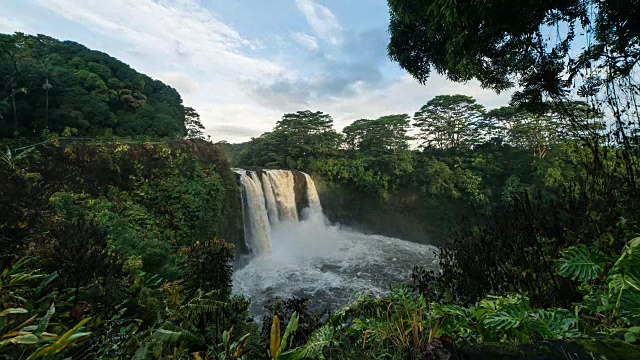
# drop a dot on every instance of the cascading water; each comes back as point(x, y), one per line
point(257, 231)
point(312, 196)
point(270, 199)
point(309, 258)
point(282, 183)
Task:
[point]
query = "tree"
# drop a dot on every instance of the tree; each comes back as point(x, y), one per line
point(208, 266)
point(193, 124)
point(12, 53)
point(46, 83)
point(46, 87)
point(304, 136)
point(78, 251)
point(451, 121)
point(538, 131)
point(383, 142)
point(502, 44)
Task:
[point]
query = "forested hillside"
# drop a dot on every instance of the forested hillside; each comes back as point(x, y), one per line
point(47, 84)
point(118, 243)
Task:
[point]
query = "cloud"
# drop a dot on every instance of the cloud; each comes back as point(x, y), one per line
point(181, 32)
point(404, 95)
point(321, 20)
point(330, 74)
point(305, 40)
point(241, 86)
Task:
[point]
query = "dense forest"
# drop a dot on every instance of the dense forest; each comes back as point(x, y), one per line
point(119, 223)
point(48, 85)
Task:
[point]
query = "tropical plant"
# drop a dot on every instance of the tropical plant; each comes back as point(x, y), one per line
point(279, 342)
point(580, 264)
point(21, 296)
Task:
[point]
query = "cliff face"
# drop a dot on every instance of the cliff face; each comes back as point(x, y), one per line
point(403, 215)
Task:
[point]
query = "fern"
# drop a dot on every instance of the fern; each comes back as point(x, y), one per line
point(580, 264)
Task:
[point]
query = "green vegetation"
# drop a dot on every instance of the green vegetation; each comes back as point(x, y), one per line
point(119, 244)
point(48, 85)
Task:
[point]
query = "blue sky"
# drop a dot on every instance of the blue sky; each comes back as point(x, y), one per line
point(243, 63)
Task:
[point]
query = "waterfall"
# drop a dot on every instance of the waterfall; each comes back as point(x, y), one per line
point(268, 202)
point(306, 256)
point(283, 184)
point(270, 198)
point(312, 196)
point(257, 231)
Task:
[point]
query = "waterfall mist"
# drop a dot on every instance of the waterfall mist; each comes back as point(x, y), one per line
point(308, 257)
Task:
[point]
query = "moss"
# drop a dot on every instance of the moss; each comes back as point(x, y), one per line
point(597, 349)
point(608, 348)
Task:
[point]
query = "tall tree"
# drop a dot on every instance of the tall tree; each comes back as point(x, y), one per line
point(383, 142)
point(193, 124)
point(451, 121)
point(46, 87)
point(304, 136)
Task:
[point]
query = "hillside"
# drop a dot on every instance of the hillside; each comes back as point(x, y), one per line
point(50, 84)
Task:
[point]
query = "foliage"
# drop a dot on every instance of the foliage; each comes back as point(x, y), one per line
point(84, 89)
point(208, 266)
point(504, 45)
point(307, 320)
point(580, 264)
point(278, 342)
point(449, 121)
point(28, 324)
point(148, 200)
point(405, 324)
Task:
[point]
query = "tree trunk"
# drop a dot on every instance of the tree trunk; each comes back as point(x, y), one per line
point(46, 106)
point(15, 114)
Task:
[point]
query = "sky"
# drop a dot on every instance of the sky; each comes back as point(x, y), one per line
point(242, 64)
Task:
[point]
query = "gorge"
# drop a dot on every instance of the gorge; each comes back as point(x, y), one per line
point(292, 250)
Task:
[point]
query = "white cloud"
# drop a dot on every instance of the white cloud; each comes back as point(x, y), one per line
point(305, 40)
point(321, 20)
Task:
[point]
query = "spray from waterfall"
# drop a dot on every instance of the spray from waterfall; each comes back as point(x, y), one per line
point(269, 201)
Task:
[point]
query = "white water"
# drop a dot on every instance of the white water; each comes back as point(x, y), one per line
point(327, 264)
point(270, 199)
point(312, 196)
point(282, 184)
point(257, 230)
